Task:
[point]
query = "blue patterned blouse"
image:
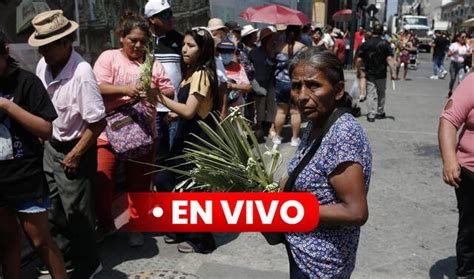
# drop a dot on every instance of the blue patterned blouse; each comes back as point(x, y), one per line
point(330, 250)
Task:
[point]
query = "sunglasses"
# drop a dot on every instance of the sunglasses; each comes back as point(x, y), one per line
point(166, 14)
point(201, 31)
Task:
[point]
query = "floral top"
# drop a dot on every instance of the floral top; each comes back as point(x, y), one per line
point(330, 250)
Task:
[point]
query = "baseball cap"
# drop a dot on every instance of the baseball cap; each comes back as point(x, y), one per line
point(232, 25)
point(154, 7)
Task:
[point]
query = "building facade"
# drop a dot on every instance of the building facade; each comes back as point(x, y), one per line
point(432, 10)
point(457, 11)
point(99, 19)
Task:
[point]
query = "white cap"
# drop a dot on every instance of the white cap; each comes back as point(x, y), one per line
point(154, 7)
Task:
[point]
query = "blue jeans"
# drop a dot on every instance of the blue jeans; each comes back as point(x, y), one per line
point(456, 70)
point(162, 142)
point(438, 66)
point(172, 131)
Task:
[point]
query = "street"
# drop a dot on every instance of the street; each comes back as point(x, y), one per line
point(411, 230)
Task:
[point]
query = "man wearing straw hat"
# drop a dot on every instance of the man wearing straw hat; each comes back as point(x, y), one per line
point(217, 28)
point(70, 156)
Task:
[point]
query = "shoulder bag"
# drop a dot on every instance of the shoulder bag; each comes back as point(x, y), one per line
point(129, 131)
point(274, 238)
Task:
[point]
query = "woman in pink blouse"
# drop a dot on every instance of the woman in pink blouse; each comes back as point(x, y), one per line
point(117, 72)
point(458, 167)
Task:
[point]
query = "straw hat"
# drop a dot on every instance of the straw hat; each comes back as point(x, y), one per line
point(215, 24)
point(50, 26)
point(247, 30)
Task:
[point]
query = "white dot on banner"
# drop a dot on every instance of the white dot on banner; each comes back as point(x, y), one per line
point(157, 212)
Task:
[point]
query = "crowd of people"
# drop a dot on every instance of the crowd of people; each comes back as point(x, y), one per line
point(58, 128)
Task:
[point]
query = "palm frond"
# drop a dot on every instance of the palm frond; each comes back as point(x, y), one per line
point(228, 158)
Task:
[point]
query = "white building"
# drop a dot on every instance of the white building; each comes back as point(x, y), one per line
point(457, 11)
point(432, 10)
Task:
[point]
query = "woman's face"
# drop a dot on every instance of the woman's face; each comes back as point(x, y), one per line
point(462, 38)
point(317, 36)
point(134, 43)
point(313, 93)
point(190, 50)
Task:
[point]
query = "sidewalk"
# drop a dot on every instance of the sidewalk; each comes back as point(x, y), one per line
point(411, 230)
point(244, 255)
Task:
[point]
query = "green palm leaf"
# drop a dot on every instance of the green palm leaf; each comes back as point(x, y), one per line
point(229, 158)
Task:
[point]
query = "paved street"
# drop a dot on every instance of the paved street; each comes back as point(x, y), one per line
point(411, 229)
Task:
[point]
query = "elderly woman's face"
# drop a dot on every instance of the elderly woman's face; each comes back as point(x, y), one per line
point(313, 93)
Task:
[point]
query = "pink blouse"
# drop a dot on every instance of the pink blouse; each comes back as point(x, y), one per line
point(461, 115)
point(112, 67)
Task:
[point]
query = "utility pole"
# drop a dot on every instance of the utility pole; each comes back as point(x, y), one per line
point(352, 32)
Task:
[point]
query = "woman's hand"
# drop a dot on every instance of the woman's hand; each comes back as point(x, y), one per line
point(452, 173)
point(170, 117)
point(132, 91)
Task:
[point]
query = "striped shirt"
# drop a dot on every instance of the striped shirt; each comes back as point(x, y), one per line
point(167, 49)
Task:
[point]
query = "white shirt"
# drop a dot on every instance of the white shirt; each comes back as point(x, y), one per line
point(75, 96)
point(461, 53)
point(172, 64)
point(328, 40)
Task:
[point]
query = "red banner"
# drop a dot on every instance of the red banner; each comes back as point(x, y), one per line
point(224, 212)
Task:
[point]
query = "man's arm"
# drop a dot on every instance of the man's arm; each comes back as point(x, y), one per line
point(392, 65)
point(72, 159)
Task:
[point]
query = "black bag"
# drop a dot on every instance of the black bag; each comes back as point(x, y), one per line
point(274, 238)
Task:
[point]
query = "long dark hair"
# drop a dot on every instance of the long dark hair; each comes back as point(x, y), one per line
point(205, 60)
point(327, 63)
point(3, 48)
point(457, 36)
point(293, 33)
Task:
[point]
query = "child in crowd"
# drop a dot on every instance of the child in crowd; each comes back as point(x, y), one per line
point(26, 113)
